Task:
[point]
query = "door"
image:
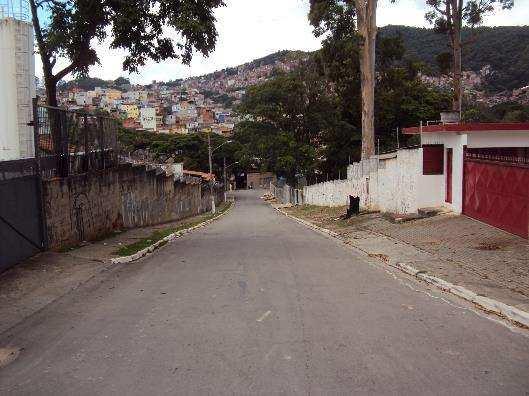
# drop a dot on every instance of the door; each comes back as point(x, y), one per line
point(496, 192)
point(21, 233)
point(448, 189)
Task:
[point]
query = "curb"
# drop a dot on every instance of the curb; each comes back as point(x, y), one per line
point(144, 252)
point(487, 304)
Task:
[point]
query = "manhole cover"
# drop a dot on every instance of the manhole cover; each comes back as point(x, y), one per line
point(8, 355)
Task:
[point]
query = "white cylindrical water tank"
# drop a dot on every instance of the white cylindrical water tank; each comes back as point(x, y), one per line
point(17, 88)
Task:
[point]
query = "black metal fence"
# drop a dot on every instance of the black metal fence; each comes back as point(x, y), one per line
point(73, 142)
point(21, 221)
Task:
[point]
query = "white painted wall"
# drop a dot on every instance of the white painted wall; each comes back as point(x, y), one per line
point(17, 88)
point(498, 139)
point(456, 142)
point(334, 192)
point(394, 183)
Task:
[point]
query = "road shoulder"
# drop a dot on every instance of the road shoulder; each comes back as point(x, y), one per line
point(406, 258)
point(37, 282)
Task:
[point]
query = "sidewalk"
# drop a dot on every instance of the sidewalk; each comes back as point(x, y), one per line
point(460, 250)
point(38, 281)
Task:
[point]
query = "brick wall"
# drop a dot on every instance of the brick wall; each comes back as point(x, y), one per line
point(260, 180)
point(87, 207)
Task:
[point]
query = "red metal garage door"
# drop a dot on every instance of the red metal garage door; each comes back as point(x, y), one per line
point(496, 188)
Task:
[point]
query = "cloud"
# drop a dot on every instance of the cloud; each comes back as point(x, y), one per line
point(250, 29)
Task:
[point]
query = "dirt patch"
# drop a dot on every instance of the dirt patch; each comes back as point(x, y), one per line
point(8, 355)
point(380, 256)
point(488, 246)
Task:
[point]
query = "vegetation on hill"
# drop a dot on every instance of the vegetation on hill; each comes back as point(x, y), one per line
point(308, 122)
point(191, 149)
point(272, 59)
point(89, 83)
point(504, 48)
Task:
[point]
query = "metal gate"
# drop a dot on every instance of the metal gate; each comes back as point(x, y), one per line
point(21, 221)
point(496, 188)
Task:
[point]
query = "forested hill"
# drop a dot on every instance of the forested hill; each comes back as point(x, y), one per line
point(504, 48)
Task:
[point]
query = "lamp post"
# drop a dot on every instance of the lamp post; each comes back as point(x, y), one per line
point(210, 155)
point(225, 175)
point(210, 158)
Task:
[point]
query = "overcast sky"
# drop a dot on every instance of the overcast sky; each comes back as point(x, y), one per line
point(250, 29)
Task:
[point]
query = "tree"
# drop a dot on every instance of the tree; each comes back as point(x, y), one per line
point(190, 149)
point(449, 16)
point(121, 81)
point(287, 120)
point(332, 15)
point(138, 26)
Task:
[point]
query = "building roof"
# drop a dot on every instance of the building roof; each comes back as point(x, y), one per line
point(203, 175)
point(469, 127)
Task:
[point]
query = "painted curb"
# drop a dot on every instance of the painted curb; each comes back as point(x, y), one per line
point(487, 304)
point(144, 252)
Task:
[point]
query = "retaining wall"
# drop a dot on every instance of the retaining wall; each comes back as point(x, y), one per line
point(90, 206)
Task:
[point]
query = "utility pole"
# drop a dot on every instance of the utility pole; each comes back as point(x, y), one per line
point(225, 180)
point(213, 210)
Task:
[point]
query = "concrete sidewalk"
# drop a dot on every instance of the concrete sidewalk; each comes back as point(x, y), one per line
point(31, 285)
point(458, 249)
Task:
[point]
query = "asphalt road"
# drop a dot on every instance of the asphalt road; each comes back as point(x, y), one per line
point(257, 304)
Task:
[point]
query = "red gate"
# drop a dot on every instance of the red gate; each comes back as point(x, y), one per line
point(496, 188)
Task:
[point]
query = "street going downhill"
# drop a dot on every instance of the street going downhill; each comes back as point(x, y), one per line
point(256, 303)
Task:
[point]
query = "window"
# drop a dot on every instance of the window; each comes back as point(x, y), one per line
point(432, 159)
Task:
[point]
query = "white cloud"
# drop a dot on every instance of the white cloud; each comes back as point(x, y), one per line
point(250, 29)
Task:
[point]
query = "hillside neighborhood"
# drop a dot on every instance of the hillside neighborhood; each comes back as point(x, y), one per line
point(350, 219)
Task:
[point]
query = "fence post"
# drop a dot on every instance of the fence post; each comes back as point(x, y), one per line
point(38, 172)
point(85, 136)
point(101, 141)
point(63, 149)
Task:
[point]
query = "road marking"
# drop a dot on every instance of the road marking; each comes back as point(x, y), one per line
point(264, 316)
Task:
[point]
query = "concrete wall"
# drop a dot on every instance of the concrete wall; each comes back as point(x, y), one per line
point(456, 142)
point(335, 192)
point(86, 207)
point(17, 88)
point(392, 183)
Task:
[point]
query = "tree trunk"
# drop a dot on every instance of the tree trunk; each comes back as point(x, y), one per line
point(367, 71)
point(457, 54)
point(50, 81)
point(367, 27)
point(51, 91)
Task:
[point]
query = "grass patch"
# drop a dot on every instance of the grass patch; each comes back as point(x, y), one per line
point(129, 250)
point(319, 214)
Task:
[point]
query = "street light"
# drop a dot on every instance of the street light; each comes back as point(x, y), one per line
point(225, 177)
point(210, 155)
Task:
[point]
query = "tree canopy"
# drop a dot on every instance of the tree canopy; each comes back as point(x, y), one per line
point(152, 29)
point(308, 122)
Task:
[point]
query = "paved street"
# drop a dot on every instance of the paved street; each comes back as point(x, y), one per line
point(257, 304)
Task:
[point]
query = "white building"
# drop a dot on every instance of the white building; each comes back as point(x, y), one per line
point(135, 96)
point(480, 170)
point(17, 88)
point(83, 98)
point(148, 118)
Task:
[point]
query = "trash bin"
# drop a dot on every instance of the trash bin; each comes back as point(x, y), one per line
point(354, 206)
